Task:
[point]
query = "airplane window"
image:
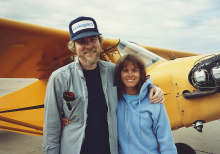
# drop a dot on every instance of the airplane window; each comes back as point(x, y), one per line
point(149, 58)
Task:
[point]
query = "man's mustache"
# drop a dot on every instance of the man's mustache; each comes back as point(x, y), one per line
point(89, 51)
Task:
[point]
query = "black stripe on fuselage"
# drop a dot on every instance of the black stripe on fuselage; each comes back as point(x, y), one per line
point(23, 109)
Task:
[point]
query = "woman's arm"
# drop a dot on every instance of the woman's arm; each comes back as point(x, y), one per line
point(64, 122)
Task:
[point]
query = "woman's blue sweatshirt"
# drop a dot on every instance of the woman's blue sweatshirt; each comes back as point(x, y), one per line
point(142, 125)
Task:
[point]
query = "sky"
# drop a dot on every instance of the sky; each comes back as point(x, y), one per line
point(184, 25)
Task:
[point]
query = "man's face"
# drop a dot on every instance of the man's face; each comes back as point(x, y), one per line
point(88, 49)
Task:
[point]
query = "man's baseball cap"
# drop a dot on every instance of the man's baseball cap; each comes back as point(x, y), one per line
point(83, 27)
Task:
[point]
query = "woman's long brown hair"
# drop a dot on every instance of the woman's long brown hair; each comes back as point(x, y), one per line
point(123, 62)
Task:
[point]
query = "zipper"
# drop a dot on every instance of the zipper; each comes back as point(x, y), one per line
point(127, 125)
point(127, 121)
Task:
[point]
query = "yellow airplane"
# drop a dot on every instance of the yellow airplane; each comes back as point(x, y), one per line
point(190, 81)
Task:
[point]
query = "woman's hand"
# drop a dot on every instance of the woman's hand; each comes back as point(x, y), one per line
point(64, 122)
point(156, 95)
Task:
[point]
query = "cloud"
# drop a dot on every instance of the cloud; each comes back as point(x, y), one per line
point(190, 25)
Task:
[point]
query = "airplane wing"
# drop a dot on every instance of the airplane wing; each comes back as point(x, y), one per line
point(32, 51)
point(169, 54)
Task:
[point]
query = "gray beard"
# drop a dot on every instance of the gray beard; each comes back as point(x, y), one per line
point(90, 62)
point(87, 61)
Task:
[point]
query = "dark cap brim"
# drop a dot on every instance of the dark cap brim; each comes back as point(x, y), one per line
point(85, 34)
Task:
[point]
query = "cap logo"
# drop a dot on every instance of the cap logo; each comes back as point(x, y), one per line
point(85, 24)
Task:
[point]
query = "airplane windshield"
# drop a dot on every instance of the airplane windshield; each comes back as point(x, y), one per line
point(148, 57)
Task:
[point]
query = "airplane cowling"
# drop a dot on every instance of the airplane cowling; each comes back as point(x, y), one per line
point(172, 78)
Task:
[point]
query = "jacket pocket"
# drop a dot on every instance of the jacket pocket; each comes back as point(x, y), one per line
point(76, 113)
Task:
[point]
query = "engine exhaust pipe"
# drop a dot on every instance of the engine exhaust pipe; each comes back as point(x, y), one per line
point(197, 93)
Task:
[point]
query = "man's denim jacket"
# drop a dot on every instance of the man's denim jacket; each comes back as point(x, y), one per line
point(70, 78)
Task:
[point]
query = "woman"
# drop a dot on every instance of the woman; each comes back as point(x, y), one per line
point(141, 125)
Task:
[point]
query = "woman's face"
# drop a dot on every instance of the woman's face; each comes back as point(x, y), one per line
point(130, 76)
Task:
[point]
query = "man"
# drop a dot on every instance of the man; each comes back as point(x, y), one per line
point(93, 127)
